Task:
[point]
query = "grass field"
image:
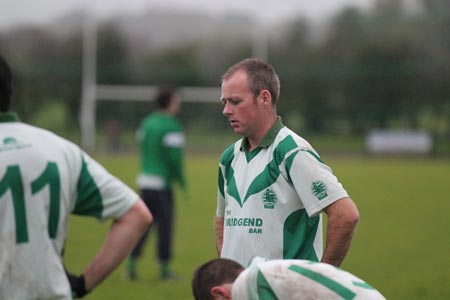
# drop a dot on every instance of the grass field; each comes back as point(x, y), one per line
point(401, 246)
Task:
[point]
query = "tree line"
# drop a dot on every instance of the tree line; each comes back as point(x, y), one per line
point(384, 68)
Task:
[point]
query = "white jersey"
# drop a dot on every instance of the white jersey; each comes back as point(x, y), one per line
point(44, 178)
point(272, 197)
point(300, 280)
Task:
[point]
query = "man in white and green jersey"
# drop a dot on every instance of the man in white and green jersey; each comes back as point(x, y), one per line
point(277, 207)
point(272, 185)
point(290, 279)
point(161, 142)
point(43, 179)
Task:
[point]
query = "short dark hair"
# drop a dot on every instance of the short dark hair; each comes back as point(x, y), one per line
point(213, 273)
point(5, 85)
point(261, 76)
point(164, 97)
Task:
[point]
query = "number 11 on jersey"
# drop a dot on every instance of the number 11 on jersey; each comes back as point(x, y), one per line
point(12, 180)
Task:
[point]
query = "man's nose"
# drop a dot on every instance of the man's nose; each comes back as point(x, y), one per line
point(226, 110)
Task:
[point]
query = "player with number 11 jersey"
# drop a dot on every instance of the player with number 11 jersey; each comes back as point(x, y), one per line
point(43, 178)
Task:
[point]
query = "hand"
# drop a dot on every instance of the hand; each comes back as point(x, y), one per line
point(77, 284)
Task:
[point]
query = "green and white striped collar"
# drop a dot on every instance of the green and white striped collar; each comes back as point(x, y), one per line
point(9, 117)
point(268, 138)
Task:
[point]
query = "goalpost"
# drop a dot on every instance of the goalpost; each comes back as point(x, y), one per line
point(93, 92)
point(96, 93)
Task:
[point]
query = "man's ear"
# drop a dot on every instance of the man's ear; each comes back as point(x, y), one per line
point(266, 97)
point(221, 292)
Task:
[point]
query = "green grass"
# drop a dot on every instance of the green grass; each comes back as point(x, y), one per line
point(401, 245)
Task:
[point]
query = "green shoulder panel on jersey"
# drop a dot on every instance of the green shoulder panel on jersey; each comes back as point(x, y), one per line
point(225, 160)
point(283, 147)
point(232, 186)
point(290, 160)
point(363, 285)
point(326, 281)
point(89, 199)
point(313, 154)
point(299, 233)
point(265, 291)
point(288, 165)
point(227, 156)
point(221, 183)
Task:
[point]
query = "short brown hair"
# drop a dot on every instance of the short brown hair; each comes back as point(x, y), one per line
point(213, 273)
point(165, 96)
point(5, 85)
point(261, 76)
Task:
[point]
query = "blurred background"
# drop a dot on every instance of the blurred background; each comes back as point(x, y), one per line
point(359, 78)
point(347, 68)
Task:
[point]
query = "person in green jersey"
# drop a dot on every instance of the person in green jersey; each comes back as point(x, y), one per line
point(43, 179)
point(162, 142)
point(290, 279)
point(272, 185)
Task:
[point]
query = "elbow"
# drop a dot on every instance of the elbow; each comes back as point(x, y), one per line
point(353, 217)
point(343, 212)
point(143, 214)
point(354, 221)
point(351, 214)
point(147, 217)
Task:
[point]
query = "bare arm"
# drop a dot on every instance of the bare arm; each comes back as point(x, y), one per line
point(218, 227)
point(122, 236)
point(342, 216)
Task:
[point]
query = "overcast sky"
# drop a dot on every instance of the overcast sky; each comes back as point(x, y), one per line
point(14, 12)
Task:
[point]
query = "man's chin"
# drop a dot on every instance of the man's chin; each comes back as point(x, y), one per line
point(238, 131)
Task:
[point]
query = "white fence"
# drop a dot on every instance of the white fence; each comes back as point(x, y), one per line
point(399, 142)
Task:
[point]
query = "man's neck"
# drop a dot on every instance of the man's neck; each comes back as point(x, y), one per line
point(257, 138)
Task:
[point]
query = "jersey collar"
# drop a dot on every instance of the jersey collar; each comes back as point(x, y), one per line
point(8, 117)
point(268, 138)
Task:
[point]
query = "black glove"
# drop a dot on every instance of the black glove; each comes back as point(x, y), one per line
point(77, 284)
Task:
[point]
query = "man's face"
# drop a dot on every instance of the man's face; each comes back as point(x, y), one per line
point(175, 104)
point(240, 105)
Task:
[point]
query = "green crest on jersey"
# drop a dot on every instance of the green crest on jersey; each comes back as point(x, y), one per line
point(9, 140)
point(319, 189)
point(11, 143)
point(269, 199)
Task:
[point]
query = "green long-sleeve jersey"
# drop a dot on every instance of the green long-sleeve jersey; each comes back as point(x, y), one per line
point(162, 143)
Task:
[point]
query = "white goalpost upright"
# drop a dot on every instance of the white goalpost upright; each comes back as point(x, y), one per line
point(89, 75)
